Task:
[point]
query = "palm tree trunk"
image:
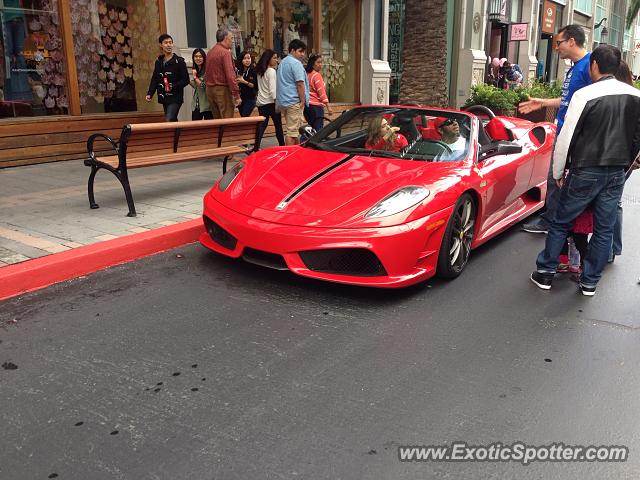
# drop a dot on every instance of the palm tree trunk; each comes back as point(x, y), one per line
point(424, 74)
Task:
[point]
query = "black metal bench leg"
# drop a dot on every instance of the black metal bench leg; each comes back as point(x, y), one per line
point(224, 164)
point(92, 177)
point(124, 180)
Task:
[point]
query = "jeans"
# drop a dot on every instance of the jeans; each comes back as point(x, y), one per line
point(247, 106)
point(600, 187)
point(616, 248)
point(171, 111)
point(269, 111)
point(314, 114)
point(553, 194)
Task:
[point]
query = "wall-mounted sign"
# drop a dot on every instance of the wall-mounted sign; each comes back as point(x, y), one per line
point(396, 42)
point(519, 32)
point(549, 17)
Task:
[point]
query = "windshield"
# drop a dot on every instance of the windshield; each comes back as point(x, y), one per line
point(397, 132)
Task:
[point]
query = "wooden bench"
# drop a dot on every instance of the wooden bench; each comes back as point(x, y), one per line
point(149, 144)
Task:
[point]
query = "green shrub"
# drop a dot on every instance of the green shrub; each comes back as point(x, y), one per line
point(538, 89)
point(492, 97)
point(506, 101)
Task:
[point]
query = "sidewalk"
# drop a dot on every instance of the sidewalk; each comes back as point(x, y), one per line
point(45, 209)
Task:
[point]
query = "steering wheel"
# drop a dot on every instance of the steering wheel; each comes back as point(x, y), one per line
point(423, 148)
point(480, 109)
point(443, 145)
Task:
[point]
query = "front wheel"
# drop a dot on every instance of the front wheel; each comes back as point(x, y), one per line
point(456, 243)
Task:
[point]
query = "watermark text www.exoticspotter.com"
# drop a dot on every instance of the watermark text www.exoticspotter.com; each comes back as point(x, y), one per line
point(514, 452)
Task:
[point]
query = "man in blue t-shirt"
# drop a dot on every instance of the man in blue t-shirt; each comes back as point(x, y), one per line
point(569, 42)
point(292, 89)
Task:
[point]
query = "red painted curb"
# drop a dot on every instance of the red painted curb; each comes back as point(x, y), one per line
point(41, 272)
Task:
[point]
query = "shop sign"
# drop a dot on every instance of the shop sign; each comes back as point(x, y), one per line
point(396, 34)
point(549, 17)
point(519, 32)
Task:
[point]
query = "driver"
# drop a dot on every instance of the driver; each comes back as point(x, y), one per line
point(382, 136)
point(449, 131)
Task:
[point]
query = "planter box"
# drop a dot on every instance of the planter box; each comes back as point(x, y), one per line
point(545, 114)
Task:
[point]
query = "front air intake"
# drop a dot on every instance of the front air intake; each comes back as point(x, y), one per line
point(357, 262)
point(219, 234)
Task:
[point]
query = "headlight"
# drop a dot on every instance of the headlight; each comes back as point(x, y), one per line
point(229, 176)
point(398, 201)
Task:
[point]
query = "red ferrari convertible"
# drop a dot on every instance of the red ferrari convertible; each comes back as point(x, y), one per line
point(383, 196)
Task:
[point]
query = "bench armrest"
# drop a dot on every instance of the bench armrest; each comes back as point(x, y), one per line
point(92, 139)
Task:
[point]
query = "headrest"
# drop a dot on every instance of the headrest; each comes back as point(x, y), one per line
point(430, 132)
point(497, 130)
point(404, 117)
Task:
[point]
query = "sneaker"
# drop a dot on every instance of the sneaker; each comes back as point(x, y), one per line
point(575, 269)
point(612, 258)
point(587, 291)
point(542, 280)
point(535, 227)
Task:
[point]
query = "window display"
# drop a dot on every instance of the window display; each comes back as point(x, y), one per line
point(245, 20)
point(339, 50)
point(292, 20)
point(115, 44)
point(32, 66)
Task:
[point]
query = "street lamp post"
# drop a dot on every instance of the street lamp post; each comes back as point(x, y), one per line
point(604, 33)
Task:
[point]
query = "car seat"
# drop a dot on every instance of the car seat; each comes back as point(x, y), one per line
point(497, 130)
point(430, 132)
point(405, 120)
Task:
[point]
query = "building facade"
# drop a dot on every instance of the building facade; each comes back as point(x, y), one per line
point(522, 32)
point(68, 67)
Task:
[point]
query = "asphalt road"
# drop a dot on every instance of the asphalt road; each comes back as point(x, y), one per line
point(187, 365)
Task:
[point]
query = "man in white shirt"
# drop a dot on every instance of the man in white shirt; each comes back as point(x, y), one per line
point(449, 131)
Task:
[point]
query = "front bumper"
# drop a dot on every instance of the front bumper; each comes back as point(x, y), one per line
point(408, 253)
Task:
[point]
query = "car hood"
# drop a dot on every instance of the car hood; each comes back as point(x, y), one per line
point(301, 186)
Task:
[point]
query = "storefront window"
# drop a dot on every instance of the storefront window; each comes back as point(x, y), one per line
point(339, 49)
point(116, 45)
point(245, 20)
point(292, 20)
point(32, 66)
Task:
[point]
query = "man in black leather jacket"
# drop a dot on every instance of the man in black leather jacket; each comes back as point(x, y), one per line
point(599, 140)
point(169, 78)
